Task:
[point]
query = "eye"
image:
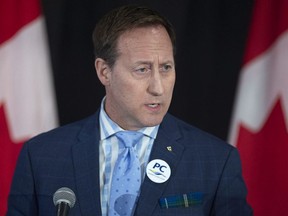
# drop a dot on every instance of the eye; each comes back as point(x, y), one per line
point(166, 68)
point(142, 70)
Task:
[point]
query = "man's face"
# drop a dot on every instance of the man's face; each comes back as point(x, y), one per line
point(140, 84)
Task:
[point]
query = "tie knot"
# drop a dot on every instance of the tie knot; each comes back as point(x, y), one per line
point(128, 139)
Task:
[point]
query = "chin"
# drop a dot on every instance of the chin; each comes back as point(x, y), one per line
point(153, 122)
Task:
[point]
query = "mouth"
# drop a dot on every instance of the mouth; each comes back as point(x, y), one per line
point(153, 105)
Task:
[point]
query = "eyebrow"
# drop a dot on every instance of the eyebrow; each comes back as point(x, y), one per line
point(143, 62)
point(151, 63)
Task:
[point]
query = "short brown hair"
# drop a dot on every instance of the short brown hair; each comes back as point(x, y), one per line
point(112, 25)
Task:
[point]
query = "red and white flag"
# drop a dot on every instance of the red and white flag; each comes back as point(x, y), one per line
point(27, 102)
point(260, 119)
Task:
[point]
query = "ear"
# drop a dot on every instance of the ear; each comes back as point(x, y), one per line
point(103, 71)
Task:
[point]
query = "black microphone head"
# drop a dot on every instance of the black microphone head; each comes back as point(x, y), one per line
point(65, 195)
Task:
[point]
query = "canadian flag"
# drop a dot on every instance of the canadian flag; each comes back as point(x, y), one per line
point(260, 118)
point(27, 102)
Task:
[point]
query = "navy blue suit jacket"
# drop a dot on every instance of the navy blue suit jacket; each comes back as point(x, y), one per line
point(69, 157)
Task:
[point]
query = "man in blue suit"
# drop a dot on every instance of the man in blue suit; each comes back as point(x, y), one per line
point(184, 171)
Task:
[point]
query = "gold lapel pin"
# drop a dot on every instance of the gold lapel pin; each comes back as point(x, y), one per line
point(169, 148)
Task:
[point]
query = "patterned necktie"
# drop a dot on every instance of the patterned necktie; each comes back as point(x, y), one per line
point(126, 179)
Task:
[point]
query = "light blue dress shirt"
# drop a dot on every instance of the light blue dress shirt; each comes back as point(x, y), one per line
point(108, 152)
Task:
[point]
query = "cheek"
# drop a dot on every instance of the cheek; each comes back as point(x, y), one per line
point(124, 90)
point(170, 85)
point(118, 83)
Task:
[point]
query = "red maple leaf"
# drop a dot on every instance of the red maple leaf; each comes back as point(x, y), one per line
point(264, 156)
point(8, 157)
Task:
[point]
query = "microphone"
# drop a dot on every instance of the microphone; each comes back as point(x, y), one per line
point(64, 199)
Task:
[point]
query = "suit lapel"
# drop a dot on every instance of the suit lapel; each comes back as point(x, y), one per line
point(86, 164)
point(167, 139)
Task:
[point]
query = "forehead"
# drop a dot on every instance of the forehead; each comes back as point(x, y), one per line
point(145, 39)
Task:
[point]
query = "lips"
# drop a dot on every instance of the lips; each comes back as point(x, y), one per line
point(154, 105)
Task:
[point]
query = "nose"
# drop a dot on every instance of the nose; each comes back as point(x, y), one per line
point(156, 83)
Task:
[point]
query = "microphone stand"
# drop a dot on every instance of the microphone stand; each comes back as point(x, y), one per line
point(62, 209)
